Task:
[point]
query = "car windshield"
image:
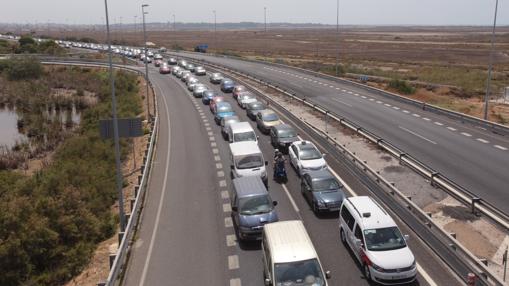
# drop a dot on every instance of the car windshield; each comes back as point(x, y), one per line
point(255, 205)
point(327, 184)
point(270, 117)
point(256, 106)
point(230, 121)
point(307, 272)
point(244, 136)
point(286, 133)
point(249, 161)
point(224, 108)
point(309, 154)
point(383, 239)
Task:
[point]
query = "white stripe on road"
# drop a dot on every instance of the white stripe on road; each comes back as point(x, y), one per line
point(451, 128)
point(427, 119)
point(426, 276)
point(416, 115)
point(466, 134)
point(482, 140)
point(295, 207)
point(438, 123)
point(406, 111)
point(395, 107)
point(342, 102)
point(500, 147)
point(417, 134)
point(233, 262)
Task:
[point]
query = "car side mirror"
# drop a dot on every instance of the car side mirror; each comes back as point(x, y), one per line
point(235, 209)
point(274, 203)
point(328, 275)
point(232, 167)
point(359, 243)
point(266, 163)
point(324, 154)
point(267, 281)
point(407, 237)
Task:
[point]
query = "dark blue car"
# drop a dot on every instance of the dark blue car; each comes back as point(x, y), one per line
point(207, 96)
point(227, 85)
point(223, 109)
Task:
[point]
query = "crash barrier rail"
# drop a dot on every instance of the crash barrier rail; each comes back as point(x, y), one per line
point(118, 261)
point(447, 240)
point(463, 118)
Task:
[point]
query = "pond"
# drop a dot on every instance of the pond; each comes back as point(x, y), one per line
point(9, 133)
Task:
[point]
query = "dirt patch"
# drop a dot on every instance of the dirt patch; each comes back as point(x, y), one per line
point(471, 237)
point(459, 213)
point(394, 169)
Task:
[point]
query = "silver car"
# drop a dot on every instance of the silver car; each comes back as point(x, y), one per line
point(225, 122)
point(216, 78)
point(200, 71)
point(190, 82)
point(198, 90)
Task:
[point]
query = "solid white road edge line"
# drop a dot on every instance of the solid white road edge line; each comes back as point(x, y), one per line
point(418, 135)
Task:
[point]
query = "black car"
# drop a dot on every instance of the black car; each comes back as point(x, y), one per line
point(282, 136)
point(227, 85)
point(322, 191)
point(172, 61)
point(253, 108)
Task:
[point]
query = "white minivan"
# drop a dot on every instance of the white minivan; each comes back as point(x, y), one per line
point(241, 131)
point(376, 241)
point(247, 160)
point(289, 257)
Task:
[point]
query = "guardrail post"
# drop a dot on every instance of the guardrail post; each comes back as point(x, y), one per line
point(484, 261)
point(453, 235)
point(101, 283)
point(474, 201)
point(120, 236)
point(112, 259)
point(432, 179)
point(326, 119)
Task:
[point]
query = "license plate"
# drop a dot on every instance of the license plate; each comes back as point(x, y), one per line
point(334, 209)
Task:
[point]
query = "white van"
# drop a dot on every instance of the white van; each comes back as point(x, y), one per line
point(376, 242)
point(289, 257)
point(241, 131)
point(247, 160)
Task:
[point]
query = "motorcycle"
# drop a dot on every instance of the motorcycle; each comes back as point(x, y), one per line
point(280, 172)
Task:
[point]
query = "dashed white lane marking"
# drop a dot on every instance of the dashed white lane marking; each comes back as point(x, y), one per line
point(416, 115)
point(343, 90)
point(342, 102)
point(451, 128)
point(438, 123)
point(427, 119)
point(215, 150)
point(235, 282)
point(228, 222)
point(219, 166)
point(331, 86)
point(500, 147)
point(295, 207)
point(379, 102)
point(203, 117)
point(372, 99)
point(426, 276)
point(205, 120)
point(208, 128)
point(349, 92)
point(466, 134)
point(207, 124)
point(363, 96)
point(220, 174)
point(233, 262)
point(217, 158)
point(338, 88)
point(227, 208)
point(386, 104)
point(231, 240)
point(212, 138)
point(225, 195)
point(222, 183)
point(395, 107)
point(482, 140)
point(418, 135)
point(213, 144)
point(406, 111)
point(347, 187)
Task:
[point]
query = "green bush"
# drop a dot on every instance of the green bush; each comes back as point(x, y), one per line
point(401, 86)
point(25, 68)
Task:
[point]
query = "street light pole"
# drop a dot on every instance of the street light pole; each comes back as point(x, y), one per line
point(215, 30)
point(115, 127)
point(487, 97)
point(337, 37)
point(145, 59)
point(135, 23)
point(265, 31)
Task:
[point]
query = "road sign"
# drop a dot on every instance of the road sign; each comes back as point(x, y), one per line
point(127, 127)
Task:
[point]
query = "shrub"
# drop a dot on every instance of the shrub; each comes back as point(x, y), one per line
point(401, 86)
point(20, 69)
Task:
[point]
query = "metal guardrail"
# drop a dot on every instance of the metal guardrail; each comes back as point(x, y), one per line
point(449, 242)
point(117, 267)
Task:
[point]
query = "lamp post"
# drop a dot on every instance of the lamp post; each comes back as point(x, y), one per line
point(337, 38)
point(265, 30)
point(490, 68)
point(115, 126)
point(215, 29)
point(145, 59)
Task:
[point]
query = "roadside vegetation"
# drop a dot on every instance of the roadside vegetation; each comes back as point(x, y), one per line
point(27, 45)
point(51, 221)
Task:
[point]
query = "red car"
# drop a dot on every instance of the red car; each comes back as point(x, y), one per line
point(164, 69)
point(157, 63)
point(238, 89)
point(214, 102)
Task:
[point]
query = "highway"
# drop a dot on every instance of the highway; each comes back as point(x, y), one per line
point(186, 236)
point(475, 158)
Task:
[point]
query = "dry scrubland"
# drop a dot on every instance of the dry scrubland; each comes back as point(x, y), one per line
point(446, 66)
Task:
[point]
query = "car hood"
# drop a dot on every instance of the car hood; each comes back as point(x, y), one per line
point(271, 123)
point(392, 259)
point(258, 220)
point(247, 100)
point(223, 114)
point(332, 196)
point(288, 140)
point(313, 163)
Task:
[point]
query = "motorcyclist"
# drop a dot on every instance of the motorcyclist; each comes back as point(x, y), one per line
point(279, 161)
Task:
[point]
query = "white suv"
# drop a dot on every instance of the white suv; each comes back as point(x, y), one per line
point(376, 242)
point(305, 157)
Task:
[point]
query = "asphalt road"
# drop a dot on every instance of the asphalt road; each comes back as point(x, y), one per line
point(186, 237)
point(472, 157)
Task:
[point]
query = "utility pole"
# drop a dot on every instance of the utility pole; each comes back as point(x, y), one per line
point(174, 32)
point(490, 68)
point(135, 23)
point(265, 31)
point(120, 30)
point(337, 37)
point(145, 60)
point(115, 127)
point(215, 30)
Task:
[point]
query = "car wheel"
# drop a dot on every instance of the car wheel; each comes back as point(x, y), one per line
point(342, 236)
point(367, 274)
point(315, 208)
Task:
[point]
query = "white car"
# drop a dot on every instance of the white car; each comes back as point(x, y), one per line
point(200, 71)
point(305, 157)
point(244, 98)
point(376, 242)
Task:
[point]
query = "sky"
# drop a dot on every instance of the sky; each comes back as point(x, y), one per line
point(352, 12)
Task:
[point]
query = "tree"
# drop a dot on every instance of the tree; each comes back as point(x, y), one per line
point(27, 68)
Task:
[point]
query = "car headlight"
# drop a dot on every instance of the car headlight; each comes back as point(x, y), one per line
point(414, 264)
point(377, 268)
point(320, 203)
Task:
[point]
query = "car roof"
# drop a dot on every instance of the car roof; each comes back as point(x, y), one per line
point(282, 127)
point(231, 117)
point(304, 144)
point(266, 112)
point(249, 186)
point(369, 213)
point(288, 241)
point(241, 126)
point(320, 174)
point(244, 148)
point(223, 103)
